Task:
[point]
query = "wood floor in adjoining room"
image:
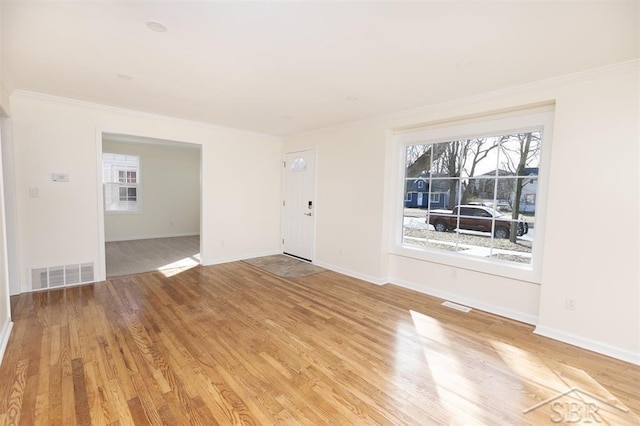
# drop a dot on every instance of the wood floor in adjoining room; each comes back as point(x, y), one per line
point(171, 255)
point(232, 344)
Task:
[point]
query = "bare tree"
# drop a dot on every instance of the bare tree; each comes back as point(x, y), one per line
point(418, 159)
point(458, 158)
point(450, 163)
point(476, 150)
point(516, 158)
point(463, 156)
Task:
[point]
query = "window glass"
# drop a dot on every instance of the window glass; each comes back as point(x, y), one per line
point(120, 175)
point(474, 196)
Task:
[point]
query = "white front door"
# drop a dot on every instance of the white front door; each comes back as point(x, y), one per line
point(299, 204)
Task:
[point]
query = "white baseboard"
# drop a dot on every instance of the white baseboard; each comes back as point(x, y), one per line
point(472, 303)
point(592, 345)
point(220, 260)
point(151, 237)
point(4, 336)
point(358, 275)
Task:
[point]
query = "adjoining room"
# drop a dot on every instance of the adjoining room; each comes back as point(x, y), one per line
point(151, 191)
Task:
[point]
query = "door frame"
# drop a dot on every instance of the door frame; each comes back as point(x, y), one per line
point(314, 149)
point(101, 266)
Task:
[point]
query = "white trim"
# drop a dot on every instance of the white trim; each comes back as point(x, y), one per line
point(9, 200)
point(4, 337)
point(100, 268)
point(368, 278)
point(589, 344)
point(150, 237)
point(144, 141)
point(101, 265)
point(523, 119)
point(488, 96)
point(142, 114)
point(473, 303)
point(230, 259)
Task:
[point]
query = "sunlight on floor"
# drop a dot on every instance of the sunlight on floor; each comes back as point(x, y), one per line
point(457, 395)
point(565, 393)
point(466, 374)
point(174, 268)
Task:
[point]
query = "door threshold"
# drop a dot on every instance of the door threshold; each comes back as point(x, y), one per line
point(297, 257)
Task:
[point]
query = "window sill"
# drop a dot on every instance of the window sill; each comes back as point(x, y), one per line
point(514, 271)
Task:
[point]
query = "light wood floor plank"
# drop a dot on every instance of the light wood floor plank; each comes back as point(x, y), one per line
point(232, 344)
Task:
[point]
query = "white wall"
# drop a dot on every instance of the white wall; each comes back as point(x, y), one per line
point(4, 92)
point(169, 192)
point(594, 161)
point(63, 225)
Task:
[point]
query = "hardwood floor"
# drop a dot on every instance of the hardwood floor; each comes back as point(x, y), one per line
point(231, 344)
point(155, 254)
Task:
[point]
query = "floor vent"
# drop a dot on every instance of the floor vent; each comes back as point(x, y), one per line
point(63, 275)
point(456, 306)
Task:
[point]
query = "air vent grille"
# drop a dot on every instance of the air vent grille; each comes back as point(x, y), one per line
point(456, 306)
point(62, 275)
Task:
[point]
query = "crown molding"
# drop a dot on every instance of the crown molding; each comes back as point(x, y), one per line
point(136, 113)
point(548, 83)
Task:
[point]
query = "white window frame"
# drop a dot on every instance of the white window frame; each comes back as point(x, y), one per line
point(137, 185)
point(538, 119)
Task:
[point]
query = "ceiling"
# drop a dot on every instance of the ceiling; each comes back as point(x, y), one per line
point(286, 67)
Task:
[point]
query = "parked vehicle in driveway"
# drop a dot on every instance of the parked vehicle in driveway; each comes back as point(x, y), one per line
point(501, 207)
point(475, 218)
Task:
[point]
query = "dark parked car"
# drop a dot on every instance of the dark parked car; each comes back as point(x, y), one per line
point(475, 218)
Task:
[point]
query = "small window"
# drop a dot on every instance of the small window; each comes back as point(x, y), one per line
point(120, 176)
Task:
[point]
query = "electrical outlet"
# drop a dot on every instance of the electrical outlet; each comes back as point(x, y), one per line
point(571, 303)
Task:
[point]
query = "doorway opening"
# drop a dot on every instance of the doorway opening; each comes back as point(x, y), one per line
point(151, 198)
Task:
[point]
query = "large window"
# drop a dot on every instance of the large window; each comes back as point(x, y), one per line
point(474, 197)
point(121, 178)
